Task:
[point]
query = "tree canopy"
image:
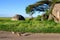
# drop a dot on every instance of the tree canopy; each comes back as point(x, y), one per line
point(40, 6)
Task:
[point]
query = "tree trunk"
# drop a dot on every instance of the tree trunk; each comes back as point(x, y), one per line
point(50, 11)
point(31, 17)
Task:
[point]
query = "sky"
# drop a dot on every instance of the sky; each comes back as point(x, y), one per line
point(9, 8)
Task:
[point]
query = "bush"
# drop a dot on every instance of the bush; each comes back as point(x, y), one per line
point(38, 18)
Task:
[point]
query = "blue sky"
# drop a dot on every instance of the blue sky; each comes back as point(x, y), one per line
point(9, 8)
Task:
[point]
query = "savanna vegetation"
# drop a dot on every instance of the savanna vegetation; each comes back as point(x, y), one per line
point(35, 25)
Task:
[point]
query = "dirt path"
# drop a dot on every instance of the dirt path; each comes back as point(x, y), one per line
point(37, 36)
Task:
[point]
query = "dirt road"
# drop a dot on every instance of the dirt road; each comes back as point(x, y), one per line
point(34, 36)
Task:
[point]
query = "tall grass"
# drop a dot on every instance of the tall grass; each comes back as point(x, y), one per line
point(30, 26)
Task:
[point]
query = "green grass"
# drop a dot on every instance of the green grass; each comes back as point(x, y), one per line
point(29, 26)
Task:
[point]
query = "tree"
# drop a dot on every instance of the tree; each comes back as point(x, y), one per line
point(30, 10)
point(38, 6)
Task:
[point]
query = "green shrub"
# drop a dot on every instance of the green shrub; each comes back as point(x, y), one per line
point(38, 18)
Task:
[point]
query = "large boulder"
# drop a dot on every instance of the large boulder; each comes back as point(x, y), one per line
point(18, 17)
point(56, 12)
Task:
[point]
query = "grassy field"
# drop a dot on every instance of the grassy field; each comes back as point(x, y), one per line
point(29, 26)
